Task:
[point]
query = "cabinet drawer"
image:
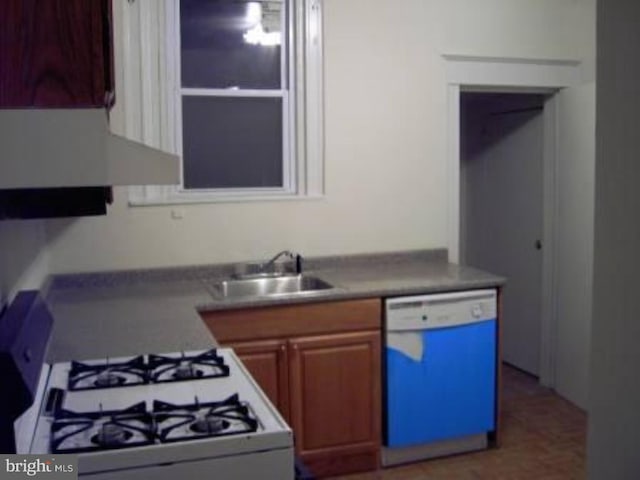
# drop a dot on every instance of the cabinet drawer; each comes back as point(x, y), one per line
point(294, 320)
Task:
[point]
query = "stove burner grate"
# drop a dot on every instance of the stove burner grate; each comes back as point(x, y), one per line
point(142, 370)
point(89, 376)
point(170, 369)
point(201, 420)
point(77, 432)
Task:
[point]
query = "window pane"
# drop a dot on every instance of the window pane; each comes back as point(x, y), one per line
point(231, 43)
point(232, 142)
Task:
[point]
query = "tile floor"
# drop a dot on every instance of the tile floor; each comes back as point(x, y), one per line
point(543, 438)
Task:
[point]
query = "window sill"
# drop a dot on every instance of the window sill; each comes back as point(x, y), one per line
point(137, 199)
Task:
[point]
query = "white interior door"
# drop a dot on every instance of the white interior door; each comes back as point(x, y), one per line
point(501, 209)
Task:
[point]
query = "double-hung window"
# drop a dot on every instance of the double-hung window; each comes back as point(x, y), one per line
point(245, 105)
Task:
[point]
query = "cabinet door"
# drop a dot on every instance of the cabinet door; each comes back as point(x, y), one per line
point(55, 53)
point(267, 361)
point(335, 400)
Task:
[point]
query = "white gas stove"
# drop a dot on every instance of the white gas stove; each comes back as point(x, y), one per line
point(193, 415)
point(163, 415)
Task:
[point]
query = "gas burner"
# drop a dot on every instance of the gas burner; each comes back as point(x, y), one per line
point(209, 424)
point(200, 420)
point(164, 368)
point(184, 371)
point(75, 432)
point(88, 376)
point(108, 379)
point(111, 435)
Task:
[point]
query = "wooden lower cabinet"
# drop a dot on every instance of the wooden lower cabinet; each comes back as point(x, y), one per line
point(335, 401)
point(267, 361)
point(322, 371)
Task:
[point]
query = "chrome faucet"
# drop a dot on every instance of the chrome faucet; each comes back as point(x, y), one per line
point(267, 266)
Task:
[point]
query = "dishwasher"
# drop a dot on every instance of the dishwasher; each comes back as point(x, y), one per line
point(440, 374)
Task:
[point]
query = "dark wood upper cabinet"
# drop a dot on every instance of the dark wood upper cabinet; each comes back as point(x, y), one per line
point(56, 53)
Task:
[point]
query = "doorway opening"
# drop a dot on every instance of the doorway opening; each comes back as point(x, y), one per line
point(568, 190)
point(502, 156)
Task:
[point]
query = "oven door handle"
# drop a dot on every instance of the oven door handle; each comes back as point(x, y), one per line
point(55, 400)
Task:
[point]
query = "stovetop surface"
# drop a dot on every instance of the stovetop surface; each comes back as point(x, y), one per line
point(268, 431)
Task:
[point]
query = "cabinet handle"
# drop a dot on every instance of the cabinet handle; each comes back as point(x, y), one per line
point(283, 348)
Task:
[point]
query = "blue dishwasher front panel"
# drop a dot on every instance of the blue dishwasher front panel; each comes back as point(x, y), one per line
point(450, 393)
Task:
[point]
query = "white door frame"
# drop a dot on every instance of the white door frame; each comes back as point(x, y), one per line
point(492, 74)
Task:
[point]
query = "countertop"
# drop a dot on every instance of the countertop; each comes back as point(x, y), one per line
point(154, 311)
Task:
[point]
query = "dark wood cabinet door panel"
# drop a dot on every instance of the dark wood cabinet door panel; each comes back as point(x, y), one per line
point(335, 399)
point(55, 53)
point(267, 361)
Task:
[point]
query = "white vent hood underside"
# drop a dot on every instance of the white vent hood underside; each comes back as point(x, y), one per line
point(42, 148)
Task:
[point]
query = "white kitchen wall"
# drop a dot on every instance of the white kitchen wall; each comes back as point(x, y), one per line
point(521, 28)
point(23, 257)
point(385, 124)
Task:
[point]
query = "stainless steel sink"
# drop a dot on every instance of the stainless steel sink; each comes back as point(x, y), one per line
point(270, 286)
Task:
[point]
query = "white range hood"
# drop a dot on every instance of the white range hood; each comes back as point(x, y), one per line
point(47, 148)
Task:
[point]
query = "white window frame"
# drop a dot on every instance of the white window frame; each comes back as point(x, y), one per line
point(145, 22)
